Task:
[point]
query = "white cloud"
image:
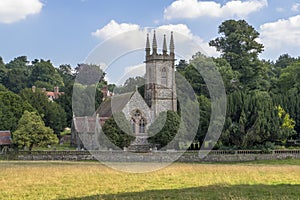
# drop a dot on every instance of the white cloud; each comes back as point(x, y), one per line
point(296, 7)
point(127, 49)
point(113, 28)
point(186, 38)
point(194, 8)
point(281, 36)
point(15, 10)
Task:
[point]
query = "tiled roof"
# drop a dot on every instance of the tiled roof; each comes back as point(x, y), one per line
point(105, 110)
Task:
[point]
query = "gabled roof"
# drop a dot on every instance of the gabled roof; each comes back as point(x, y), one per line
point(85, 124)
point(113, 104)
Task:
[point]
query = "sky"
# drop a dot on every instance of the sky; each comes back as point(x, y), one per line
point(71, 31)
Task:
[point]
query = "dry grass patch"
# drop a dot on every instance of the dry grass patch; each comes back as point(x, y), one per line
point(91, 180)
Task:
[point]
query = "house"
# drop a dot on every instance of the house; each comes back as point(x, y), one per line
point(51, 95)
point(5, 139)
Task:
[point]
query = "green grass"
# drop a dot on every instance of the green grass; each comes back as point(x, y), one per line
point(91, 180)
point(57, 147)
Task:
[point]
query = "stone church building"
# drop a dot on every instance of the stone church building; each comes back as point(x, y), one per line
point(159, 96)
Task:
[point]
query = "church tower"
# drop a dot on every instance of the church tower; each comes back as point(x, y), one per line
point(160, 87)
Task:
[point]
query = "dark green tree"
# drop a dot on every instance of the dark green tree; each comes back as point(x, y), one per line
point(43, 72)
point(18, 72)
point(11, 108)
point(52, 113)
point(164, 129)
point(119, 134)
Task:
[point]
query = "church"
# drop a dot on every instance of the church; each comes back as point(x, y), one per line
point(160, 95)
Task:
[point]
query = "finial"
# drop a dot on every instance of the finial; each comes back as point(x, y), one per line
point(136, 87)
point(154, 44)
point(165, 46)
point(147, 49)
point(147, 42)
point(172, 44)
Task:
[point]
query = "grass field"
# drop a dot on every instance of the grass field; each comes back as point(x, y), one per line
point(91, 180)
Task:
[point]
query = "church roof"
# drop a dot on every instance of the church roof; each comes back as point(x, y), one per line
point(117, 101)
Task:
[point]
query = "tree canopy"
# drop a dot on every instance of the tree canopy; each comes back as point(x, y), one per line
point(32, 131)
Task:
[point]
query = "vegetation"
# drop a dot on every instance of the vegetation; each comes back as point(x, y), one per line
point(164, 129)
point(90, 180)
point(32, 131)
point(263, 97)
point(118, 130)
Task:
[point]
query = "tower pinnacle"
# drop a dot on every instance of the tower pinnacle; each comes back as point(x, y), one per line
point(154, 44)
point(172, 44)
point(147, 49)
point(165, 46)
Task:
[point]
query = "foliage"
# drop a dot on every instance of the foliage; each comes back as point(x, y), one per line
point(17, 76)
point(32, 131)
point(119, 134)
point(164, 129)
point(43, 72)
point(130, 86)
point(11, 108)
point(52, 113)
point(239, 47)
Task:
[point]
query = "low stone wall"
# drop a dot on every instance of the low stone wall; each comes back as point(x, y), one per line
point(157, 156)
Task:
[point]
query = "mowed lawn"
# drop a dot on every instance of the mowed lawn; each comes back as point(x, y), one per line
point(91, 180)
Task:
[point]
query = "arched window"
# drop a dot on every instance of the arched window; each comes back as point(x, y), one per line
point(142, 125)
point(164, 77)
point(133, 125)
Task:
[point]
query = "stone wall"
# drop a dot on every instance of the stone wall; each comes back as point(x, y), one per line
point(158, 156)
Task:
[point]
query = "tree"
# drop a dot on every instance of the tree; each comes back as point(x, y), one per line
point(119, 134)
point(18, 72)
point(130, 85)
point(44, 73)
point(238, 45)
point(289, 77)
point(52, 113)
point(164, 128)
point(3, 88)
point(11, 108)
point(238, 40)
point(32, 131)
point(3, 69)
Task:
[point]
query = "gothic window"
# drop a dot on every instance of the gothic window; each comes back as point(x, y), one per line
point(142, 125)
point(133, 125)
point(137, 113)
point(164, 77)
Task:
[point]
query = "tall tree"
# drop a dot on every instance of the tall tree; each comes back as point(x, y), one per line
point(238, 45)
point(18, 72)
point(44, 73)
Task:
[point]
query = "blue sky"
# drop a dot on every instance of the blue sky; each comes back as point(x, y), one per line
point(66, 31)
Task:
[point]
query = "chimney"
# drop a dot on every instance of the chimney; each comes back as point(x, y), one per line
point(56, 89)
